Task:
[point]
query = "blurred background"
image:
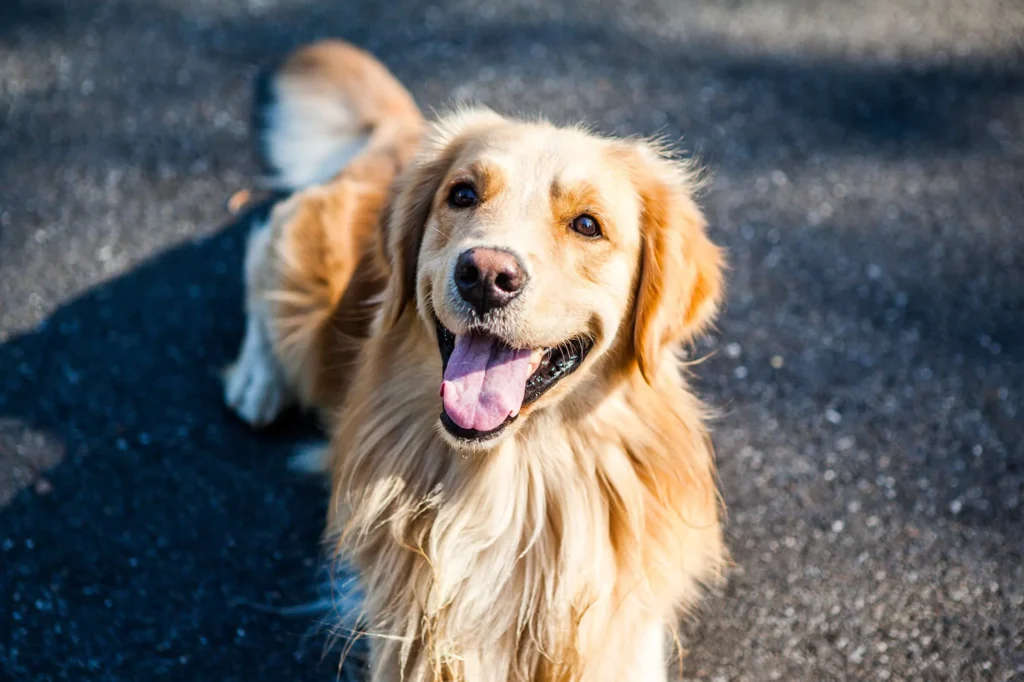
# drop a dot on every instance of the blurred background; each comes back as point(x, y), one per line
point(868, 182)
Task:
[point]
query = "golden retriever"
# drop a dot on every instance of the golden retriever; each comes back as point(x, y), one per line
point(488, 313)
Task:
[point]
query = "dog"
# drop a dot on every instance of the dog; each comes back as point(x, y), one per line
point(488, 314)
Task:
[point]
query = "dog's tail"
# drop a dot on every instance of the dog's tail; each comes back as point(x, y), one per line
point(326, 106)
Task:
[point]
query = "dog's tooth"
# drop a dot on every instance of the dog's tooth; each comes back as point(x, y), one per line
point(536, 357)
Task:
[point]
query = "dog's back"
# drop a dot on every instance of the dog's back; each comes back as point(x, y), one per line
point(334, 129)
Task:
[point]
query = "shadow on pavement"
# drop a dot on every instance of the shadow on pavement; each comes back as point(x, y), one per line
point(166, 512)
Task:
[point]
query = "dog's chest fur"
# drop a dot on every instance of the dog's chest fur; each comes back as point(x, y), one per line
point(523, 563)
point(516, 550)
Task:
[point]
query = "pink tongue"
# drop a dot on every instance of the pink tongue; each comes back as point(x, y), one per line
point(484, 382)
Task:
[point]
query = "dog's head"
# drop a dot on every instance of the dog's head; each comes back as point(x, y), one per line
point(544, 258)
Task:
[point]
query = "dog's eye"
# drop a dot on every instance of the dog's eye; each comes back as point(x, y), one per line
point(462, 195)
point(586, 226)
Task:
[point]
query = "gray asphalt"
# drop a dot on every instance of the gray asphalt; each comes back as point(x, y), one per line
point(868, 182)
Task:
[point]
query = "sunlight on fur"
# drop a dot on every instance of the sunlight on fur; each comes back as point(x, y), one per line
point(545, 277)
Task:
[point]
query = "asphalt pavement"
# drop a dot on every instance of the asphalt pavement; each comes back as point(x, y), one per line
point(867, 164)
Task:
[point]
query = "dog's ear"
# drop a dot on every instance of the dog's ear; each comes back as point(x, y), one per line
point(681, 271)
point(414, 197)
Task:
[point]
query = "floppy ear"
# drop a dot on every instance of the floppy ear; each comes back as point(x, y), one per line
point(681, 281)
point(406, 214)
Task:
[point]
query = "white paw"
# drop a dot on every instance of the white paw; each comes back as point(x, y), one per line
point(255, 387)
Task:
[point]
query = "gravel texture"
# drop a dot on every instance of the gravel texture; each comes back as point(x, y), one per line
point(868, 170)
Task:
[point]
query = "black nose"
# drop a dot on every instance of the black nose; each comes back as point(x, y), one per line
point(488, 278)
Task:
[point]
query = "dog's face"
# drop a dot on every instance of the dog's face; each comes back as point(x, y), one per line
point(533, 252)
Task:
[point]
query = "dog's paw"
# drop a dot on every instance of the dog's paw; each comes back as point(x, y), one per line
point(254, 386)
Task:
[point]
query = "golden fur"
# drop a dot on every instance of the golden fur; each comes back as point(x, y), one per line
point(565, 549)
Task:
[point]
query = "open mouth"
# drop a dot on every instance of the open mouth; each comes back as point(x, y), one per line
point(487, 382)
